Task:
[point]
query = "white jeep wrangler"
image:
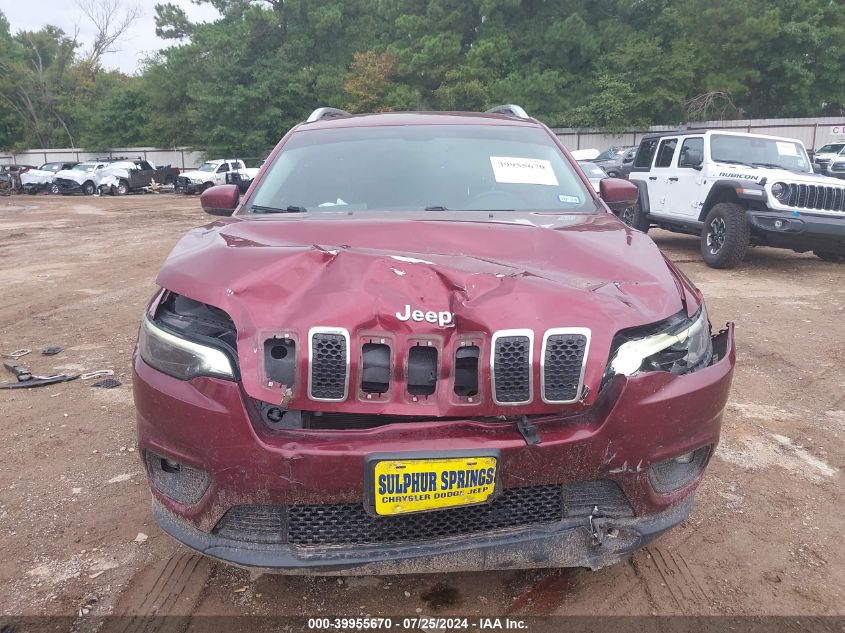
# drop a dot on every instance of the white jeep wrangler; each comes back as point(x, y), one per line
point(734, 190)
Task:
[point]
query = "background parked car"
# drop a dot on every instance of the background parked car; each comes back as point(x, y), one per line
point(826, 156)
point(210, 173)
point(43, 178)
point(594, 172)
point(617, 161)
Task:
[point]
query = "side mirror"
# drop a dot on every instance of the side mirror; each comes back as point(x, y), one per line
point(220, 200)
point(691, 158)
point(618, 193)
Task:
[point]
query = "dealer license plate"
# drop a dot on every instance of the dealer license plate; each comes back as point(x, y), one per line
point(417, 485)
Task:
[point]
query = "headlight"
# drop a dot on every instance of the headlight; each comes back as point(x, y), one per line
point(179, 357)
point(196, 181)
point(679, 350)
point(780, 190)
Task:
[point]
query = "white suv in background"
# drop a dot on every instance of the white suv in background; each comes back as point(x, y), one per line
point(734, 190)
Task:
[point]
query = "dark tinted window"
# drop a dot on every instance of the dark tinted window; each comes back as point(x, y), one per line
point(646, 153)
point(666, 151)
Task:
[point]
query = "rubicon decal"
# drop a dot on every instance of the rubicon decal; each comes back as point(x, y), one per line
point(443, 318)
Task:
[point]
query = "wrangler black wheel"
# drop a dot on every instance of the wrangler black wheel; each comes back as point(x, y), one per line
point(725, 236)
point(635, 217)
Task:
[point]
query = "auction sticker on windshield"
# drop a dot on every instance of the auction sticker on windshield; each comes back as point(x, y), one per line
point(523, 171)
point(415, 485)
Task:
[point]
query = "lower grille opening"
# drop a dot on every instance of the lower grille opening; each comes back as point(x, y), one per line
point(466, 370)
point(350, 524)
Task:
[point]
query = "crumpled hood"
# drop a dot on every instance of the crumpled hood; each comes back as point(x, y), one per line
point(281, 275)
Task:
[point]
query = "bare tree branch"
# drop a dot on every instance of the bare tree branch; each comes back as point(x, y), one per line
point(110, 23)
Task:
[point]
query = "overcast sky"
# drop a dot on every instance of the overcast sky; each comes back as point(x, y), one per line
point(31, 15)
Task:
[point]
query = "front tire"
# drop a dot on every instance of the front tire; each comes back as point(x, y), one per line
point(54, 189)
point(828, 256)
point(635, 217)
point(88, 188)
point(122, 188)
point(726, 235)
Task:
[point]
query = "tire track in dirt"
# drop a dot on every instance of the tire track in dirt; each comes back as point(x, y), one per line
point(171, 587)
point(670, 580)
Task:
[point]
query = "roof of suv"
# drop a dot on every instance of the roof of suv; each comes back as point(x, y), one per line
point(710, 131)
point(418, 118)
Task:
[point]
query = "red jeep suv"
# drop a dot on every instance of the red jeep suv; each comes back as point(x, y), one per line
point(421, 342)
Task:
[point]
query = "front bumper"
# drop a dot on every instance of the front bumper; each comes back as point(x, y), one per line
point(801, 232)
point(639, 421)
point(569, 543)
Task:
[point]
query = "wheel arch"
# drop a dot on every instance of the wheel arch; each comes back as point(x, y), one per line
point(723, 191)
point(643, 187)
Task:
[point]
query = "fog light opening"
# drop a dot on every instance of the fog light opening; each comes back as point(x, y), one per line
point(686, 458)
point(169, 466)
point(676, 472)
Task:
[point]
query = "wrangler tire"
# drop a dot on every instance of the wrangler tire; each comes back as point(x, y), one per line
point(635, 217)
point(725, 235)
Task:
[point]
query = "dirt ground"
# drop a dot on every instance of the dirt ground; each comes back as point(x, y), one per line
point(765, 537)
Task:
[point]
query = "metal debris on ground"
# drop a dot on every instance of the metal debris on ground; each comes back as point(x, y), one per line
point(18, 353)
point(108, 383)
point(100, 373)
point(25, 378)
point(51, 351)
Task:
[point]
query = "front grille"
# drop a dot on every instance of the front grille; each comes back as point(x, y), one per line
point(350, 524)
point(512, 368)
point(181, 182)
point(563, 362)
point(329, 365)
point(816, 197)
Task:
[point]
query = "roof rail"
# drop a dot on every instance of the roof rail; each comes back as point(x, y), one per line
point(326, 113)
point(509, 109)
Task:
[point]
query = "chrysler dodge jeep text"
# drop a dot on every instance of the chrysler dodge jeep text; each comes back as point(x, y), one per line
point(422, 342)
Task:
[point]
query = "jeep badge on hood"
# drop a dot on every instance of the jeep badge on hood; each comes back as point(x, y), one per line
point(443, 318)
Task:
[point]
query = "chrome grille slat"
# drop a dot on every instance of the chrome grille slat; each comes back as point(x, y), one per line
point(563, 360)
point(511, 367)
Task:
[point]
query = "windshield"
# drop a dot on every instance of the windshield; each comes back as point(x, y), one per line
point(422, 167)
point(759, 152)
point(607, 154)
point(84, 167)
point(593, 171)
point(831, 148)
point(209, 166)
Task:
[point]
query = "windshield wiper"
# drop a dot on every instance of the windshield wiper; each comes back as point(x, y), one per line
point(770, 166)
point(731, 162)
point(257, 208)
point(437, 208)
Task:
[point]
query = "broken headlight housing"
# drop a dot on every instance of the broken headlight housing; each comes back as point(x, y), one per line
point(682, 346)
point(187, 339)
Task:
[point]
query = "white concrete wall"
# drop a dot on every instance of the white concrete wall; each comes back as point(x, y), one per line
point(813, 132)
point(181, 157)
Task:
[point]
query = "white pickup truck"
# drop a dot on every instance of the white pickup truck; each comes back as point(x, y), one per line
point(210, 173)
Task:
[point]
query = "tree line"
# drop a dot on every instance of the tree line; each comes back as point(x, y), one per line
point(238, 83)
